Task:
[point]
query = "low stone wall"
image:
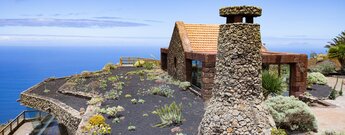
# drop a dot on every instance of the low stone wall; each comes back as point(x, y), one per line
point(64, 113)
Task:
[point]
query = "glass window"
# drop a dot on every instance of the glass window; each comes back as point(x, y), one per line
point(196, 73)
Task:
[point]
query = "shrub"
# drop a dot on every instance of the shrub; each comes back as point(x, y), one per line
point(46, 90)
point(169, 114)
point(119, 85)
point(108, 67)
point(86, 74)
point(95, 100)
point(112, 111)
point(141, 101)
point(113, 78)
point(149, 65)
point(134, 101)
point(97, 120)
point(128, 96)
point(131, 128)
point(292, 114)
point(163, 90)
point(326, 67)
point(316, 78)
point(116, 120)
point(97, 126)
point(113, 94)
point(333, 95)
point(184, 85)
point(277, 131)
point(139, 63)
point(103, 84)
point(272, 84)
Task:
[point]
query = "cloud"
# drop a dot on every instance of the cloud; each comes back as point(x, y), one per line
point(108, 17)
point(155, 21)
point(77, 23)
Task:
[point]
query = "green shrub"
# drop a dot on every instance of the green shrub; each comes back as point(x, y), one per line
point(113, 94)
point(149, 65)
point(169, 115)
point(277, 131)
point(333, 95)
point(292, 114)
point(134, 101)
point(162, 90)
point(184, 85)
point(316, 78)
point(95, 100)
point(272, 84)
point(326, 67)
point(103, 84)
point(113, 78)
point(128, 96)
point(131, 128)
point(112, 111)
point(108, 67)
point(139, 63)
point(141, 101)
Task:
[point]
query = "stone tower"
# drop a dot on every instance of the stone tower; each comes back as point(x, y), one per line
point(236, 104)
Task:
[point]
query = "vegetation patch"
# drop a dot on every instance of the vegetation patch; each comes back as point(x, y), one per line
point(162, 90)
point(169, 115)
point(291, 114)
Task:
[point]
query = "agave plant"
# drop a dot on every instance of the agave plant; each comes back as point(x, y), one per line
point(169, 115)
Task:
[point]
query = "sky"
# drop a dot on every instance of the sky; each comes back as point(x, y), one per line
point(284, 23)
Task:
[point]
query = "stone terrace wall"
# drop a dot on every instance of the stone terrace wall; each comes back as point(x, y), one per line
point(64, 113)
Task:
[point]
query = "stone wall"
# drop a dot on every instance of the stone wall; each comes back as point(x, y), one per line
point(176, 57)
point(63, 113)
point(208, 72)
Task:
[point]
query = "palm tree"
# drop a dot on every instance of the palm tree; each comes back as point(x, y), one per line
point(338, 51)
point(337, 40)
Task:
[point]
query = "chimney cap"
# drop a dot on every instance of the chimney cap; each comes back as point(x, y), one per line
point(240, 10)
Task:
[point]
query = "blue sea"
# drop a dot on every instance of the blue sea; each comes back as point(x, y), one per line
point(22, 66)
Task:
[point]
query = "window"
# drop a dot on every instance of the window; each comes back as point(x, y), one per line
point(175, 61)
point(196, 73)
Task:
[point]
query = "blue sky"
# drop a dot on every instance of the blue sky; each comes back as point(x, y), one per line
point(284, 23)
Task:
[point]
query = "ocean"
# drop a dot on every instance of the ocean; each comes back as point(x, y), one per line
point(24, 66)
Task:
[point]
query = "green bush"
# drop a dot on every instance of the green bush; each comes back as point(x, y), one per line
point(113, 94)
point(139, 63)
point(292, 114)
point(108, 67)
point(333, 95)
point(95, 100)
point(149, 65)
point(272, 84)
point(277, 131)
point(112, 111)
point(169, 115)
point(325, 67)
point(184, 85)
point(316, 78)
point(162, 90)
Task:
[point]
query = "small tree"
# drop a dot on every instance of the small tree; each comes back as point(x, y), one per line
point(272, 84)
point(337, 49)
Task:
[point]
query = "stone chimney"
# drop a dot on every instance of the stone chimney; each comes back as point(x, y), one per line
point(236, 104)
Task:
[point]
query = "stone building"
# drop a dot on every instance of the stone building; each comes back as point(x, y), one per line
point(191, 56)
